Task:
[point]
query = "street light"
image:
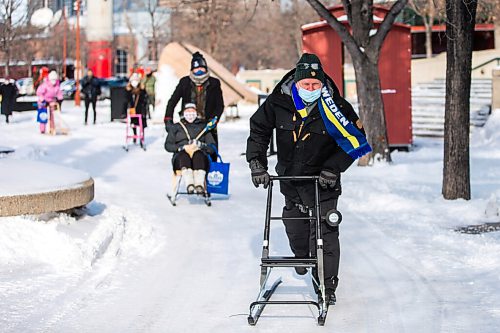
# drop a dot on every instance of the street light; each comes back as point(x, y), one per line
point(77, 65)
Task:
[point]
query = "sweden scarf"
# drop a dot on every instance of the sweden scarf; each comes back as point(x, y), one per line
point(347, 136)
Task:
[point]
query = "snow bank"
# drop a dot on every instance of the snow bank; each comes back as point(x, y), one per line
point(489, 134)
point(65, 244)
point(27, 177)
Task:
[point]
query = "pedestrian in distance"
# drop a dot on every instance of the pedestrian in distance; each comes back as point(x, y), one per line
point(138, 102)
point(310, 142)
point(9, 92)
point(91, 89)
point(149, 82)
point(50, 95)
point(191, 144)
point(198, 88)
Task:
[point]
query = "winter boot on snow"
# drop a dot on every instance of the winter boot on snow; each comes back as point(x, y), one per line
point(331, 285)
point(188, 176)
point(199, 181)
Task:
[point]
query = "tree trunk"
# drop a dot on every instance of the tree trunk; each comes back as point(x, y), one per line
point(371, 108)
point(429, 22)
point(497, 32)
point(7, 62)
point(428, 38)
point(459, 30)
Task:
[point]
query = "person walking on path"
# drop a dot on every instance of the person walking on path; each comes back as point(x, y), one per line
point(149, 83)
point(8, 91)
point(317, 134)
point(91, 89)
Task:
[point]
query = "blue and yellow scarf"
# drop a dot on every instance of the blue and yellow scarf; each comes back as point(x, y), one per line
point(347, 136)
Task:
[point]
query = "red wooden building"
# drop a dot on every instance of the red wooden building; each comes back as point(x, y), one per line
point(394, 66)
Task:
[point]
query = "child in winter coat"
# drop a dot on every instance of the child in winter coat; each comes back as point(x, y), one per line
point(190, 149)
point(137, 100)
point(49, 94)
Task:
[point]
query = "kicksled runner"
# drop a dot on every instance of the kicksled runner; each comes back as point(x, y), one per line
point(50, 119)
point(216, 181)
point(270, 262)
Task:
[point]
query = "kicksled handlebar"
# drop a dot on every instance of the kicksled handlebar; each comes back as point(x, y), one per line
point(289, 178)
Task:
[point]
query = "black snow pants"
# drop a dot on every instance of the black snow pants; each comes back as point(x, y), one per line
point(199, 161)
point(302, 238)
point(88, 102)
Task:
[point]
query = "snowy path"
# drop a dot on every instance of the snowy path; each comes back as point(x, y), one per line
point(192, 268)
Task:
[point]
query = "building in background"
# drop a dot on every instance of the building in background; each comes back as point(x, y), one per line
point(120, 35)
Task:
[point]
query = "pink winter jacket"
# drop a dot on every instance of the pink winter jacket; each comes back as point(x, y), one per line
point(48, 92)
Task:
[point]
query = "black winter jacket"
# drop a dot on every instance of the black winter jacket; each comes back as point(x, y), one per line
point(91, 87)
point(177, 137)
point(138, 98)
point(214, 105)
point(315, 149)
point(9, 95)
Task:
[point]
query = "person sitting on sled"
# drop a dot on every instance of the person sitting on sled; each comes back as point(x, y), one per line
point(191, 142)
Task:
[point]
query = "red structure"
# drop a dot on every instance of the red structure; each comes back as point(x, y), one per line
point(100, 58)
point(394, 67)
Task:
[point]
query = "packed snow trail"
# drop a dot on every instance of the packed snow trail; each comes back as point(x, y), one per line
point(193, 268)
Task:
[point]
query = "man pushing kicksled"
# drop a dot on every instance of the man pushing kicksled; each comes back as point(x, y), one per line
point(318, 137)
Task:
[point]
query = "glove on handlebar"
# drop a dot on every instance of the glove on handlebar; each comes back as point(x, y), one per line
point(327, 179)
point(260, 176)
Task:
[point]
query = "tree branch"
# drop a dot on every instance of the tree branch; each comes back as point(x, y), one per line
point(344, 34)
point(382, 31)
point(348, 10)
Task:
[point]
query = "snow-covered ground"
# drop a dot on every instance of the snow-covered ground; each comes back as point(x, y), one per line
point(134, 263)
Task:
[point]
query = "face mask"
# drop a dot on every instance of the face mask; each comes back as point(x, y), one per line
point(309, 96)
point(199, 72)
point(190, 116)
point(134, 83)
point(53, 82)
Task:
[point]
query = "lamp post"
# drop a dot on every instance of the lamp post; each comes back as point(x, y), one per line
point(77, 65)
point(64, 43)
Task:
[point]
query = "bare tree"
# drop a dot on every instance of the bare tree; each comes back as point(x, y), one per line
point(252, 33)
point(12, 15)
point(461, 18)
point(26, 46)
point(364, 48)
point(426, 9)
point(159, 14)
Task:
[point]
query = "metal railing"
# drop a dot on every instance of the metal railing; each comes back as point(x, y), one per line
point(497, 59)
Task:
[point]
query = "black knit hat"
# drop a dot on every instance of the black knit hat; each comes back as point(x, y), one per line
point(198, 61)
point(309, 67)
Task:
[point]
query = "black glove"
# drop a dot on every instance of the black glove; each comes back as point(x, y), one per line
point(327, 179)
point(259, 173)
point(168, 124)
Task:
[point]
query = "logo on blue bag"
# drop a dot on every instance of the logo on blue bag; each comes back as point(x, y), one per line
point(43, 116)
point(215, 178)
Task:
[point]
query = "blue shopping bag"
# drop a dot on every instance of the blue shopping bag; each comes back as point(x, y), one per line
point(42, 115)
point(218, 177)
